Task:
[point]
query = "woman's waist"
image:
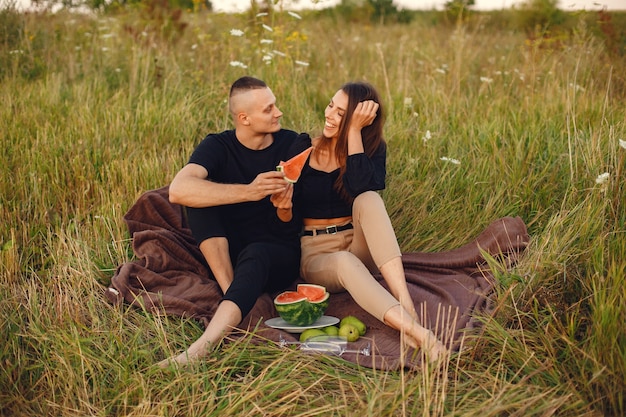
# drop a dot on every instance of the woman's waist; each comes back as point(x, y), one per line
point(310, 223)
point(314, 227)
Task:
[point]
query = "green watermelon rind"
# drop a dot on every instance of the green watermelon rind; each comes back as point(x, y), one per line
point(303, 312)
point(320, 306)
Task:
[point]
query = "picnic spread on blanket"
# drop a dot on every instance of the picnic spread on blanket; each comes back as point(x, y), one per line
point(451, 289)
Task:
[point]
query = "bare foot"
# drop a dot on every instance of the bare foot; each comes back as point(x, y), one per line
point(195, 352)
point(433, 348)
point(180, 360)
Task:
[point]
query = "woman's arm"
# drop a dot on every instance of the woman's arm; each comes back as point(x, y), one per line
point(364, 114)
point(283, 203)
point(364, 173)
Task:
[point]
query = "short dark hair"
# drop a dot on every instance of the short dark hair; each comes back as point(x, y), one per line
point(246, 83)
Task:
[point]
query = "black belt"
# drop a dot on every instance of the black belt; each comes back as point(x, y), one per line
point(328, 230)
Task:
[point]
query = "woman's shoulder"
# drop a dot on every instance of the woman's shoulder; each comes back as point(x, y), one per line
point(299, 144)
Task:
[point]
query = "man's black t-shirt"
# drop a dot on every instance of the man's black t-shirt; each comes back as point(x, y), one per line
point(230, 162)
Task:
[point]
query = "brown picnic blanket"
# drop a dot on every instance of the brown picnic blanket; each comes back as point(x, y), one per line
point(450, 288)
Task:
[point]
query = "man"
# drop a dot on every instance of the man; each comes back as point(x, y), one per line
point(232, 191)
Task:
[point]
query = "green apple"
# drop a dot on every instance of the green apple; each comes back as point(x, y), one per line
point(355, 322)
point(350, 332)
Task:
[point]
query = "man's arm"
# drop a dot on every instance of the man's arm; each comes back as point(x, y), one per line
point(191, 187)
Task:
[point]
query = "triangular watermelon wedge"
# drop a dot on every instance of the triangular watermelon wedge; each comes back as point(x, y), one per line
point(293, 167)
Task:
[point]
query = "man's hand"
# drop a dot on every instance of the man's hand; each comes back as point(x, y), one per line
point(267, 183)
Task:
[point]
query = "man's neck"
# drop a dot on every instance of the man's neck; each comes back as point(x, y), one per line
point(253, 140)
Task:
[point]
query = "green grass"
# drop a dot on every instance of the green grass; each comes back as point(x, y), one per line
point(97, 110)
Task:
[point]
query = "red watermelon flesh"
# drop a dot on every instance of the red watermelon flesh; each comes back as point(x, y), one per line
point(293, 167)
point(312, 292)
point(290, 297)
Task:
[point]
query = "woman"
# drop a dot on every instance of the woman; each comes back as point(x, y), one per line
point(347, 234)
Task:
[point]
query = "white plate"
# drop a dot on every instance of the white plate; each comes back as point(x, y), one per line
point(278, 323)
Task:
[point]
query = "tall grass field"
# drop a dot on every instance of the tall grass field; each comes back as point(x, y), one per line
point(484, 120)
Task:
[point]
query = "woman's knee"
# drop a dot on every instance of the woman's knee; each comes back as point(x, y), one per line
point(335, 271)
point(350, 268)
point(367, 200)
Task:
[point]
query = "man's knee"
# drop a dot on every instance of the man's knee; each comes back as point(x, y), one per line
point(216, 252)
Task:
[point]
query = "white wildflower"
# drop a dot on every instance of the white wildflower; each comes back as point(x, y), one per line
point(16, 51)
point(622, 143)
point(262, 14)
point(236, 32)
point(486, 80)
point(266, 41)
point(427, 136)
point(107, 36)
point(279, 53)
point(194, 46)
point(269, 29)
point(295, 15)
point(118, 70)
point(602, 178)
point(267, 58)
point(104, 49)
point(440, 70)
point(576, 87)
point(415, 114)
point(408, 102)
point(238, 64)
point(302, 63)
point(451, 160)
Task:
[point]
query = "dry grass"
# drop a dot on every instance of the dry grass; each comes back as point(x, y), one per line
point(97, 110)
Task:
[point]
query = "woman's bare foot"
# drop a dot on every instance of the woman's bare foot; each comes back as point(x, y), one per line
point(433, 349)
point(414, 334)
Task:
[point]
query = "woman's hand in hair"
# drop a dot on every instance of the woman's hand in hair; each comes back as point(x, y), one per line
point(364, 114)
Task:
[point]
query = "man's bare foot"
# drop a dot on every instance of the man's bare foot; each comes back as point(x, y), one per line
point(195, 352)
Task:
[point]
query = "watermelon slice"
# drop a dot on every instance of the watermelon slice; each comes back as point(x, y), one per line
point(312, 292)
point(304, 306)
point(293, 167)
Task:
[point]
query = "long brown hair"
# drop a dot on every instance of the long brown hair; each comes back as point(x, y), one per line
point(372, 135)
